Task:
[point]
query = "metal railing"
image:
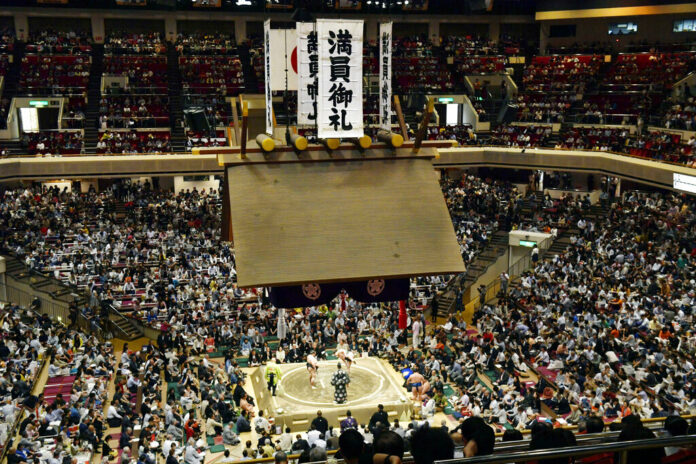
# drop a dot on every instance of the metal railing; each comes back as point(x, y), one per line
point(515, 270)
point(621, 448)
point(55, 309)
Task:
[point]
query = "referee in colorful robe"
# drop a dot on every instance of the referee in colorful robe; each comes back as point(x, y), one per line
point(340, 381)
point(272, 376)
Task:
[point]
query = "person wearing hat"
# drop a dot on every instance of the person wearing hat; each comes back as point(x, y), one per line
point(340, 382)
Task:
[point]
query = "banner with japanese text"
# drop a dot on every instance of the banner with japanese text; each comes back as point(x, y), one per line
point(267, 75)
point(307, 73)
point(385, 73)
point(340, 98)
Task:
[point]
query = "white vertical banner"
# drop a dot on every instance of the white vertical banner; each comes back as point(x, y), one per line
point(283, 56)
point(267, 68)
point(307, 73)
point(385, 73)
point(340, 103)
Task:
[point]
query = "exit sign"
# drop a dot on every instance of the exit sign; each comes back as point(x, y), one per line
point(527, 243)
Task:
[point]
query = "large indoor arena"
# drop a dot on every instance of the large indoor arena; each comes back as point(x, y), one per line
point(358, 231)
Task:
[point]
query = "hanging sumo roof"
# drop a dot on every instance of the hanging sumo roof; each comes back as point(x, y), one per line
point(339, 217)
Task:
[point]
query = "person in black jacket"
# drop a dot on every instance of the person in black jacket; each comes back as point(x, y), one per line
point(320, 423)
point(379, 416)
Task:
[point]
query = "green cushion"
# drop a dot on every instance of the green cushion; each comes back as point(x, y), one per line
point(217, 449)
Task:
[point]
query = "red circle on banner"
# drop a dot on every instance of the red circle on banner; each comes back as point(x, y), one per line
point(293, 59)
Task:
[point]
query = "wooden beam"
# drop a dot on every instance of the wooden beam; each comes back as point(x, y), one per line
point(226, 217)
point(422, 131)
point(245, 122)
point(236, 120)
point(400, 117)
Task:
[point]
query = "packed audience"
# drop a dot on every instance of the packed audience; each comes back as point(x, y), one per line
point(134, 141)
point(48, 42)
point(125, 43)
point(52, 143)
point(521, 136)
point(583, 338)
point(133, 111)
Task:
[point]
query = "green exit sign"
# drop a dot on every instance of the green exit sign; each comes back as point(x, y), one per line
point(446, 100)
point(38, 103)
point(527, 243)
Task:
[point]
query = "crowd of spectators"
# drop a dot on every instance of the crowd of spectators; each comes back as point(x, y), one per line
point(219, 74)
point(542, 107)
point(462, 134)
point(49, 42)
point(568, 73)
point(67, 412)
point(652, 70)
point(126, 43)
point(595, 334)
point(134, 141)
point(52, 143)
point(595, 138)
point(521, 136)
point(133, 111)
point(146, 74)
point(201, 139)
point(206, 44)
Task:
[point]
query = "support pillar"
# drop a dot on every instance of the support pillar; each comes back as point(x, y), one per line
point(21, 26)
point(170, 28)
point(240, 30)
point(434, 31)
point(98, 31)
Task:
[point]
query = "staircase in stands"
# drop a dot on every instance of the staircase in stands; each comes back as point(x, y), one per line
point(93, 97)
point(176, 113)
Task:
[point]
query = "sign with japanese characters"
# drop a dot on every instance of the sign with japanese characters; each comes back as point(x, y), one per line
point(307, 73)
point(267, 76)
point(340, 99)
point(385, 72)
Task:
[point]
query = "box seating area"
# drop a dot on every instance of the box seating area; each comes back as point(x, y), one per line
point(221, 75)
point(560, 72)
point(54, 74)
point(461, 134)
point(543, 107)
point(52, 143)
point(58, 385)
point(59, 43)
point(146, 74)
point(603, 139)
point(206, 44)
point(468, 65)
point(113, 142)
point(632, 70)
point(124, 43)
point(134, 111)
point(521, 136)
point(200, 139)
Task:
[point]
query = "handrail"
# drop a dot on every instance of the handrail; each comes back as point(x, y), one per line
point(516, 269)
point(574, 451)
point(20, 416)
point(463, 146)
point(112, 309)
